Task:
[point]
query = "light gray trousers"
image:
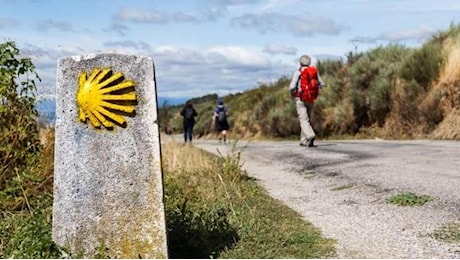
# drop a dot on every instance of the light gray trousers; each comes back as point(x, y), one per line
point(304, 112)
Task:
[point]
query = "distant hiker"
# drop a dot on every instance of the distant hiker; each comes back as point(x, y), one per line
point(189, 113)
point(220, 120)
point(304, 88)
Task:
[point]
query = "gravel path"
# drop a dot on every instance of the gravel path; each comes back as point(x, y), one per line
point(341, 187)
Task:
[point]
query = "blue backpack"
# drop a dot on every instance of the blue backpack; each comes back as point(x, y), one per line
point(221, 115)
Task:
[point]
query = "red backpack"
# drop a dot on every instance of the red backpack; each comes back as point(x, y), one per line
point(309, 84)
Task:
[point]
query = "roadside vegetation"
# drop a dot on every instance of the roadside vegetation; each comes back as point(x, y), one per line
point(213, 208)
point(409, 199)
point(449, 232)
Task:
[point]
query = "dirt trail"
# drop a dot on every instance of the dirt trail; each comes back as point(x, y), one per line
point(342, 186)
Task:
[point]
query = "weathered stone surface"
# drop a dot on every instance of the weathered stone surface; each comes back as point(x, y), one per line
point(108, 189)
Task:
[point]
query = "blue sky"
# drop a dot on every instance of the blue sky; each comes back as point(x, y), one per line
point(201, 47)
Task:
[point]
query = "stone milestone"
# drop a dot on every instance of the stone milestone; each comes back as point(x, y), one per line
point(108, 189)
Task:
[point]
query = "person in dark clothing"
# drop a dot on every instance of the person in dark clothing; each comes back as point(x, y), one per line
point(189, 113)
point(220, 120)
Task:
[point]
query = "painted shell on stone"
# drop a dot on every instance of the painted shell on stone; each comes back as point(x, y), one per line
point(105, 98)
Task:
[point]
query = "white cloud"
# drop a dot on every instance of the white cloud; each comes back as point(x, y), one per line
point(230, 3)
point(136, 45)
point(417, 34)
point(6, 22)
point(183, 72)
point(141, 16)
point(49, 24)
point(238, 56)
point(297, 25)
point(181, 17)
point(277, 4)
point(280, 49)
point(119, 28)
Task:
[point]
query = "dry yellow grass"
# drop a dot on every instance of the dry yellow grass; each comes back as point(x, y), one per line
point(202, 175)
point(179, 157)
point(450, 74)
point(449, 86)
point(449, 128)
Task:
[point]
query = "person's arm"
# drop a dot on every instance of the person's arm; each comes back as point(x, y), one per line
point(214, 115)
point(294, 81)
point(182, 112)
point(321, 82)
point(194, 112)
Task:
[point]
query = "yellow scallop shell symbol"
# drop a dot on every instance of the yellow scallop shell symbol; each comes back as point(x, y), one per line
point(105, 97)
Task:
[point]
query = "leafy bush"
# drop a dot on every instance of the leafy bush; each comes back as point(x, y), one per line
point(281, 122)
point(28, 235)
point(198, 233)
point(19, 140)
point(373, 77)
point(423, 64)
point(26, 167)
point(329, 67)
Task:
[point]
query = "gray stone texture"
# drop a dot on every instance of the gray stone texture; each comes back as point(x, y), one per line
point(108, 189)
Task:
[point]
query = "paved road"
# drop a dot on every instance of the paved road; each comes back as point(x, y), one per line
point(342, 186)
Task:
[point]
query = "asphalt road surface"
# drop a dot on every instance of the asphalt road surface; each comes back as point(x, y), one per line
point(342, 188)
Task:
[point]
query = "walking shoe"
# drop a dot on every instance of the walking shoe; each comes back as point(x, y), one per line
point(310, 142)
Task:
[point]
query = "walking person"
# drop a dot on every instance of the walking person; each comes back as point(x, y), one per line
point(220, 120)
point(189, 113)
point(304, 87)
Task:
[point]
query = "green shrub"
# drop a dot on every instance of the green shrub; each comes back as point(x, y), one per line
point(281, 122)
point(406, 101)
point(204, 125)
point(423, 64)
point(373, 77)
point(19, 140)
point(28, 235)
point(198, 233)
point(409, 199)
point(329, 67)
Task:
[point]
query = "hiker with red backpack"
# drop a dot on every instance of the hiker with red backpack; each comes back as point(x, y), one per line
point(304, 88)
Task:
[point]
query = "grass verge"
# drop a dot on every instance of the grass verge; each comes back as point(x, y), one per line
point(214, 210)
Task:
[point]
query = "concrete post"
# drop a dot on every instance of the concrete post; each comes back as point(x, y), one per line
point(108, 189)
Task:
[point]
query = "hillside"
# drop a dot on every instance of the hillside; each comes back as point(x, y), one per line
point(390, 92)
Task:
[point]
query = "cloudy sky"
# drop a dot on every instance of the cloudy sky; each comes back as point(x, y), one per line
point(216, 46)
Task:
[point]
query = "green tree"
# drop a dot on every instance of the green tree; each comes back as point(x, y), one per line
point(19, 139)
